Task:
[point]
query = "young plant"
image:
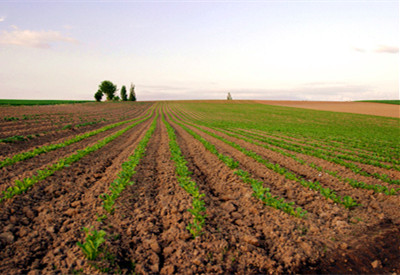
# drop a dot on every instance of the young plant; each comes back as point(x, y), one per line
point(94, 239)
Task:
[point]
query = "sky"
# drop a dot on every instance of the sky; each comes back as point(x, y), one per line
point(173, 50)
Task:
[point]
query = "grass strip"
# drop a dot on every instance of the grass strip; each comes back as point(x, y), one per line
point(47, 148)
point(259, 191)
point(198, 209)
point(21, 186)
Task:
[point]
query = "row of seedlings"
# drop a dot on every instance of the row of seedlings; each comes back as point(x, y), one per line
point(314, 148)
point(246, 136)
point(366, 158)
point(325, 156)
point(47, 148)
point(92, 247)
point(259, 191)
point(377, 188)
point(328, 193)
point(198, 209)
point(21, 186)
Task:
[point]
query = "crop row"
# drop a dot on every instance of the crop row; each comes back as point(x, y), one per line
point(128, 170)
point(21, 186)
point(251, 138)
point(369, 157)
point(353, 182)
point(377, 135)
point(328, 193)
point(47, 148)
point(314, 148)
point(181, 169)
point(94, 239)
point(320, 154)
point(258, 190)
point(338, 159)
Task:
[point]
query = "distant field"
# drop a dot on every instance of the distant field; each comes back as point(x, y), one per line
point(366, 108)
point(396, 102)
point(17, 102)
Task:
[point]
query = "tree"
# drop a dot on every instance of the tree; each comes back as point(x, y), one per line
point(98, 95)
point(132, 94)
point(124, 96)
point(229, 97)
point(108, 88)
point(116, 98)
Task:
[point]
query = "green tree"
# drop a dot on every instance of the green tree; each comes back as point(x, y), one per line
point(98, 95)
point(124, 96)
point(108, 88)
point(132, 94)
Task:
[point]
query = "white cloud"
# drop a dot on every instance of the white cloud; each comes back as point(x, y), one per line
point(35, 39)
point(386, 49)
point(2, 19)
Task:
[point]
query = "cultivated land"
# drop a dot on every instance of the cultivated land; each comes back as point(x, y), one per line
point(377, 108)
point(198, 187)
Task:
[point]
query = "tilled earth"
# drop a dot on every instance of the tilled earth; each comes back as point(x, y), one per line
point(147, 233)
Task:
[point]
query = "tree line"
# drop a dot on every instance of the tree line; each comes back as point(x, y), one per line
point(109, 89)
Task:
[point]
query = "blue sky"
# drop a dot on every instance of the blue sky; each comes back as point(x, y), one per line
point(291, 50)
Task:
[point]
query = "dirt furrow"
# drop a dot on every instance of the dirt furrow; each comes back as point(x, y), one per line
point(340, 169)
point(28, 167)
point(152, 214)
point(251, 237)
point(374, 207)
point(8, 149)
point(50, 216)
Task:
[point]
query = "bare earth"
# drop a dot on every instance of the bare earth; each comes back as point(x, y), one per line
point(366, 108)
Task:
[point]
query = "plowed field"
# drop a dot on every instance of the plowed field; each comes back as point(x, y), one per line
point(197, 187)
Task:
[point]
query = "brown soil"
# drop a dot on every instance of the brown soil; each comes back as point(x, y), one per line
point(39, 229)
point(55, 133)
point(366, 108)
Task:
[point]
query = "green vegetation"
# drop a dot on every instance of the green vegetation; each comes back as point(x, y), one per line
point(108, 89)
point(395, 101)
point(17, 102)
point(128, 170)
point(345, 139)
point(132, 93)
point(124, 96)
point(15, 139)
point(354, 183)
point(260, 192)
point(98, 96)
point(370, 133)
point(47, 148)
point(326, 192)
point(198, 209)
point(21, 186)
point(94, 239)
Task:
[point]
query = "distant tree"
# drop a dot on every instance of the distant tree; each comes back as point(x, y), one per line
point(132, 94)
point(108, 88)
point(98, 95)
point(229, 97)
point(124, 96)
point(116, 98)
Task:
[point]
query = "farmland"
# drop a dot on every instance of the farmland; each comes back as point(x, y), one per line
point(197, 187)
